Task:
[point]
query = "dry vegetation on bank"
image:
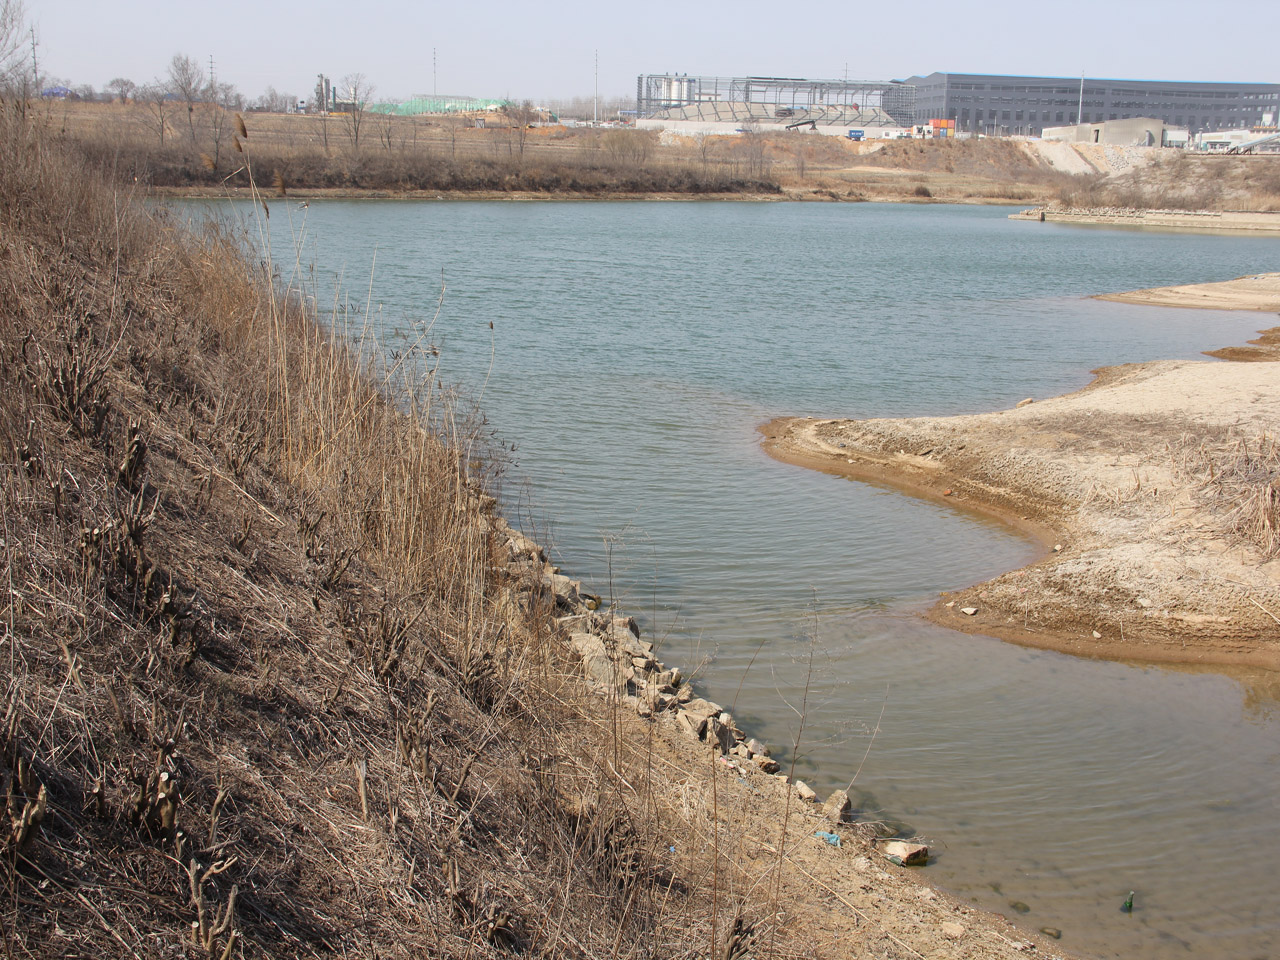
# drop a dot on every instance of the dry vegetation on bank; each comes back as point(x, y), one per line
point(268, 691)
point(448, 155)
point(1184, 181)
point(162, 146)
point(406, 154)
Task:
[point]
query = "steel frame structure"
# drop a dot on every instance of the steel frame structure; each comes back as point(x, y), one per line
point(658, 93)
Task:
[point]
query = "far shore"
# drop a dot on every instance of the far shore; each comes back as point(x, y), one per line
point(1189, 221)
point(784, 194)
point(1130, 484)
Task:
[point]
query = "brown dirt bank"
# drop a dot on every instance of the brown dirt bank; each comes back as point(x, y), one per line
point(1156, 483)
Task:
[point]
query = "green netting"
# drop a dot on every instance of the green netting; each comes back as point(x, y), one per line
point(417, 105)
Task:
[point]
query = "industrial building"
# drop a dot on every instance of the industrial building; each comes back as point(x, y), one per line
point(725, 104)
point(1002, 106)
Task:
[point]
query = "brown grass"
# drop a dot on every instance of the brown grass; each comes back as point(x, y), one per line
point(269, 688)
point(1238, 481)
point(1185, 181)
point(402, 154)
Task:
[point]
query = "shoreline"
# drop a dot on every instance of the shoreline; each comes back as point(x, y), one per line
point(1139, 562)
point(1192, 221)
point(784, 195)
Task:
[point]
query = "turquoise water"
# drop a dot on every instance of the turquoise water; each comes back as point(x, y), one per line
point(635, 347)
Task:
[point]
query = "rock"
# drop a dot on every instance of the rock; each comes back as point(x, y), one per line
point(838, 807)
point(806, 792)
point(568, 593)
point(1019, 907)
point(905, 853)
point(1057, 548)
point(968, 611)
point(1097, 635)
point(952, 930)
point(1052, 932)
point(1029, 400)
point(757, 748)
point(603, 670)
point(1144, 602)
point(767, 764)
point(688, 724)
point(586, 644)
point(701, 711)
point(740, 750)
point(721, 733)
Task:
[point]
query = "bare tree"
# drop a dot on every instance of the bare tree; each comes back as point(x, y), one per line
point(122, 88)
point(358, 93)
point(220, 100)
point(13, 45)
point(155, 97)
point(186, 79)
point(520, 116)
point(272, 101)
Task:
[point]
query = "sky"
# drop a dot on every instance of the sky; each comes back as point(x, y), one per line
point(550, 50)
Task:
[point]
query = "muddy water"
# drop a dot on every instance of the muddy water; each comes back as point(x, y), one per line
point(635, 347)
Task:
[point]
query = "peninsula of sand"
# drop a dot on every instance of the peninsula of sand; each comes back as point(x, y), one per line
point(1155, 491)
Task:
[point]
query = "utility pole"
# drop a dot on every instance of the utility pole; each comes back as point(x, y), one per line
point(595, 96)
point(1080, 107)
point(35, 64)
point(213, 86)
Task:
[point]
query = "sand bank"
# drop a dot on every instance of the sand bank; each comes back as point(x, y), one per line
point(1197, 221)
point(1152, 490)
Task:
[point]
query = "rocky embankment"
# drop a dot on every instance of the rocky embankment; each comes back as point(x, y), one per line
point(853, 889)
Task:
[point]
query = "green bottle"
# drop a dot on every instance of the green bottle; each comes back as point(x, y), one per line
point(1127, 906)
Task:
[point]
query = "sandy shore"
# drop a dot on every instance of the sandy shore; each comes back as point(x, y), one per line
point(1198, 221)
point(1151, 490)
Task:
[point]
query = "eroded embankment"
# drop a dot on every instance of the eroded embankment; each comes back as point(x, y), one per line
point(1153, 489)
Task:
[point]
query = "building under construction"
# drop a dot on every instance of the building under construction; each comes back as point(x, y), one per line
point(775, 101)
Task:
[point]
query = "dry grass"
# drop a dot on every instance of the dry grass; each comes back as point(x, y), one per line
point(270, 691)
point(403, 154)
point(1238, 482)
point(1184, 181)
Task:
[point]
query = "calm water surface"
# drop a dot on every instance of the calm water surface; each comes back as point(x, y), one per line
point(636, 346)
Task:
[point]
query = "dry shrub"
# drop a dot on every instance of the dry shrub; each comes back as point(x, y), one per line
point(270, 691)
point(1238, 483)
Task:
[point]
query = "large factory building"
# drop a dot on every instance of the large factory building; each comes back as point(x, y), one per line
point(998, 105)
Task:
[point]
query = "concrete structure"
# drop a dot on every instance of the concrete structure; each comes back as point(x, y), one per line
point(1259, 140)
point(1138, 132)
point(1000, 105)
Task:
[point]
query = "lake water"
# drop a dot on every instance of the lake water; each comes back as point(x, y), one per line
point(635, 347)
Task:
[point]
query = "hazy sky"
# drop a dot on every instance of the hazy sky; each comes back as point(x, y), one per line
point(537, 51)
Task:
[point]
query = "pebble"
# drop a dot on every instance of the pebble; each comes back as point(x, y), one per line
point(952, 931)
point(968, 611)
point(1019, 907)
point(1097, 635)
point(1052, 932)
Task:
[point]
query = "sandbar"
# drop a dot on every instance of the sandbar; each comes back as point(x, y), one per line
point(1155, 491)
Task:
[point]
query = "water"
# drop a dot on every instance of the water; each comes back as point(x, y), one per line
point(636, 346)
